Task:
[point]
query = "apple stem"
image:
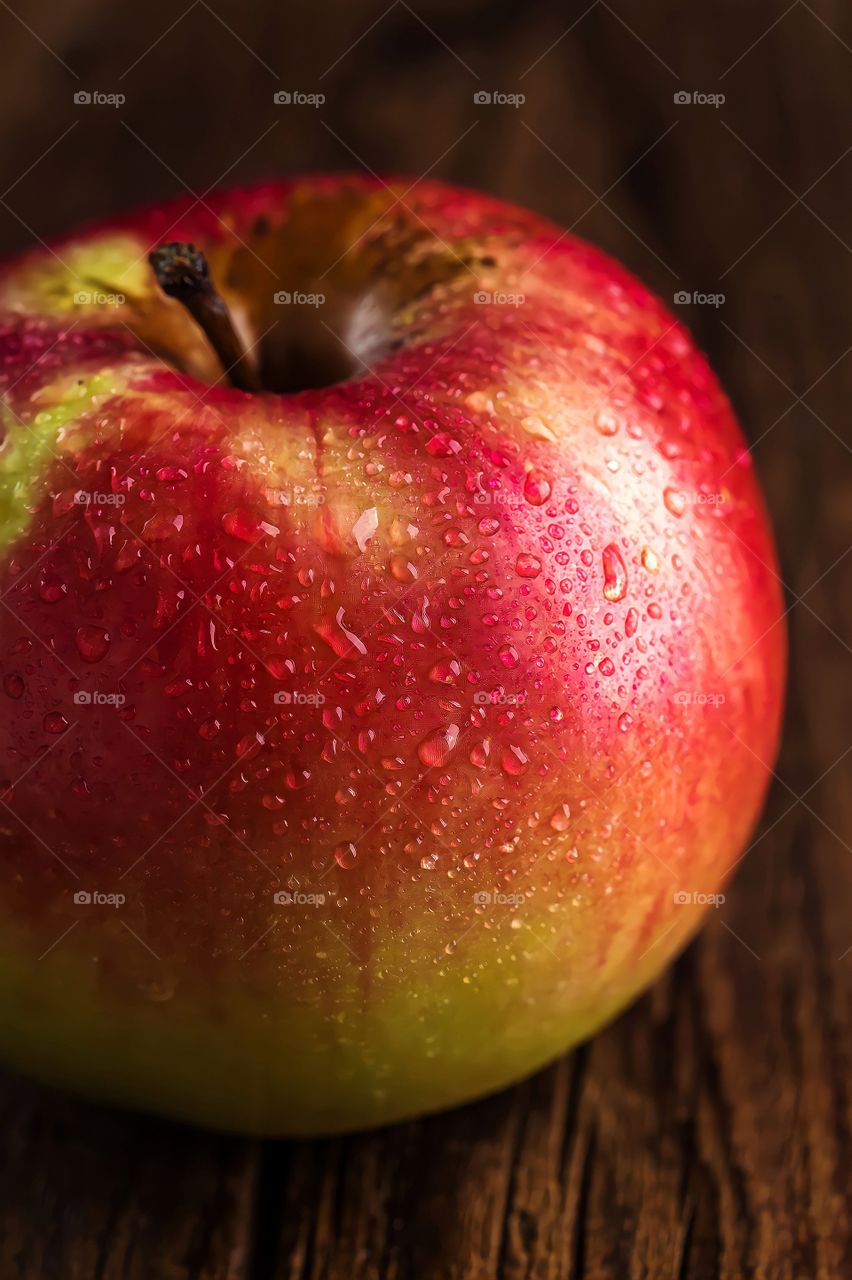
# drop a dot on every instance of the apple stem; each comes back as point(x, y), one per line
point(182, 273)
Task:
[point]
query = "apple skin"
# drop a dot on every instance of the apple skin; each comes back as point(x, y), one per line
point(483, 647)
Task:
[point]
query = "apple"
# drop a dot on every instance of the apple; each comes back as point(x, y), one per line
point(392, 651)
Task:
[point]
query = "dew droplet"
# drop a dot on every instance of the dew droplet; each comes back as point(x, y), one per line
point(13, 685)
point(537, 488)
point(445, 672)
point(438, 746)
point(625, 721)
point(51, 588)
point(92, 643)
point(527, 565)
point(365, 526)
point(402, 568)
point(606, 422)
point(55, 722)
point(488, 526)
point(345, 854)
point(508, 655)
point(514, 761)
point(561, 818)
point(615, 573)
point(631, 622)
point(675, 501)
point(650, 560)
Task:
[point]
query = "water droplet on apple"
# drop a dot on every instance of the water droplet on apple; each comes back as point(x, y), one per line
point(92, 643)
point(508, 655)
point(606, 422)
point(445, 672)
point(51, 588)
point(527, 565)
point(537, 488)
point(365, 526)
point(561, 818)
point(345, 855)
point(675, 501)
point(402, 568)
point(514, 761)
point(13, 685)
point(438, 746)
point(615, 573)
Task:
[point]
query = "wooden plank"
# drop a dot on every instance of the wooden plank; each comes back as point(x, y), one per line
point(88, 1194)
point(707, 1133)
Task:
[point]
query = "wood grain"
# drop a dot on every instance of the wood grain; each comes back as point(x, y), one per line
point(708, 1133)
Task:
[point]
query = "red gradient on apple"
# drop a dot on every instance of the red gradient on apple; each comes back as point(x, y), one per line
point(414, 705)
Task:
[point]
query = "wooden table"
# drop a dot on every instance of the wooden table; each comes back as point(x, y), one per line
point(708, 1133)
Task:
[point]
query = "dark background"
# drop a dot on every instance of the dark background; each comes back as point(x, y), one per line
point(708, 1132)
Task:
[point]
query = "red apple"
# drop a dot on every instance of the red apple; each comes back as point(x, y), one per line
point(371, 735)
